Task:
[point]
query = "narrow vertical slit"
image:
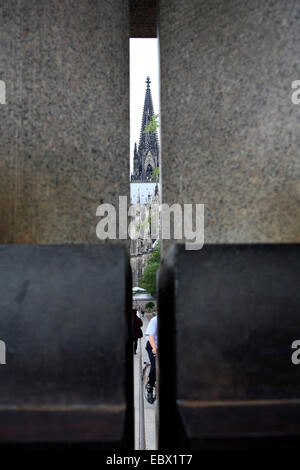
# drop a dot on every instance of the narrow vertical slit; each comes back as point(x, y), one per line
point(145, 200)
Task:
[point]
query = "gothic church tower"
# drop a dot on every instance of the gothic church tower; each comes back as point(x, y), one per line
point(145, 159)
point(144, 191)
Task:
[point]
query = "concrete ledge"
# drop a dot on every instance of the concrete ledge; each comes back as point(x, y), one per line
point(228, 315)
point(66, 322)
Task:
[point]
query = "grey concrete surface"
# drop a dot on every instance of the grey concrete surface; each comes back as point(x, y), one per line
point(229, 130)
point(65, 127)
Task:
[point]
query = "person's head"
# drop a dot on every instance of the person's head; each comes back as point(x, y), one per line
point(134, 310)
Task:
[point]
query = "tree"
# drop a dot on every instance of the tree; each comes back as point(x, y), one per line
point(153, 125)
point(149, 306)
point(148, 281)
point(155, 175)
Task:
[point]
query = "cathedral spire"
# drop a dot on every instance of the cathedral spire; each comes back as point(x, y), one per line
point(148, 112)
point(146, 156)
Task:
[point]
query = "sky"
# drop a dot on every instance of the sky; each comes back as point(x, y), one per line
point(143, 62)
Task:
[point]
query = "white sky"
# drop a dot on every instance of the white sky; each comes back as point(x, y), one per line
point(143, 62)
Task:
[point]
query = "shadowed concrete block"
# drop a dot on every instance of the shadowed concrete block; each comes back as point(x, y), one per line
point(229, 129)
point(228, 316)
point(143, 18)
point(66, 322)
point(65, 126)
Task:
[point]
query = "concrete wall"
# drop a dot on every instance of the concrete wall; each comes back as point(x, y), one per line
point(65, 128)
point(230, 133)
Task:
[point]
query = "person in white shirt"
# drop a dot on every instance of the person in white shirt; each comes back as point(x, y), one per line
point(151, 347)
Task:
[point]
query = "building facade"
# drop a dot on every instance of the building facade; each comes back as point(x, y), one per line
point(144, 191)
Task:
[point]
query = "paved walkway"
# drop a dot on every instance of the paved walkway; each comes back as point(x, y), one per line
point(149, 410)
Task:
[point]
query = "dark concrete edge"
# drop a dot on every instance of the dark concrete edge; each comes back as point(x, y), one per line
point(239, 421)
point(107, 427)
point(128, 433)
point(27, 426)
point(171, 416)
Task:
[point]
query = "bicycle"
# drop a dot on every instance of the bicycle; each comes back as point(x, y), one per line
point(145, 375)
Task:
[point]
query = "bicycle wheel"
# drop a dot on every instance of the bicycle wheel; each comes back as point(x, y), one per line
point(146, 371)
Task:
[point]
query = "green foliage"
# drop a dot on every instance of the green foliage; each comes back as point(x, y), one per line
point(146, 222)
point(152, 128)
point(155, 175)
point(149, 306)
point(153, 125)
point(149, 278)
